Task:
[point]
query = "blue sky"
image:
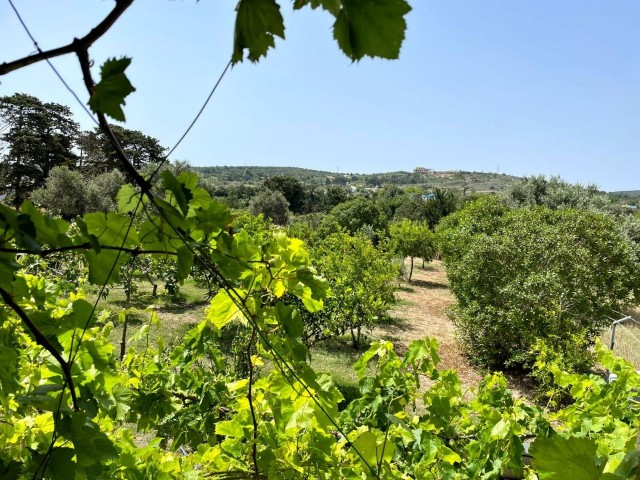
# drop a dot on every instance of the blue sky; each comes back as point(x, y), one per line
point(524, 86)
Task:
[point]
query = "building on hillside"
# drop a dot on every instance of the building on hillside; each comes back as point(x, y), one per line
point(423, 170)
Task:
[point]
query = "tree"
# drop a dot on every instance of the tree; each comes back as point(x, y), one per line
point(443, 203)
point(40, 137)
point(272, 205)
point(97, 154)
point(363, 281)
point(390, 198)
point(64, 193)
point(292, 189)
point(413, 239)
point(534, 274)
point(355, 214)
point(67, 193)
point(555, 193)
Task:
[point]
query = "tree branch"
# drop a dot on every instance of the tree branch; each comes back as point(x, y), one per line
point(83, 246)
point(85, 65)
point(43, 342)
point(254, 443)
point(77, 44)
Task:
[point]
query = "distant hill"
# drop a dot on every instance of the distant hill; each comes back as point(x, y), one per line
point(633, 194)
point(457, 180)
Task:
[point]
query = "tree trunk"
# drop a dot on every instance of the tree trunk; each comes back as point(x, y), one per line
point(123, 342)
point(411, 270)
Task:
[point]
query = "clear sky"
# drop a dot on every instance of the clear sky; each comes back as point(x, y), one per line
point(522, 86)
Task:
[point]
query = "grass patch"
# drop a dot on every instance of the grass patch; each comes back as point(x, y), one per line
point(177, 314)
point(336, 356)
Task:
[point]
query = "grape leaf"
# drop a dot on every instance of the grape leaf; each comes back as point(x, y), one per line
point(257, 22)
point(560, 458)
point(114, 86)
point(374, 28)
point(332, 6)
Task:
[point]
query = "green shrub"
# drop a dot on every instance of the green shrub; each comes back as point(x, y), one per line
point(533, 274)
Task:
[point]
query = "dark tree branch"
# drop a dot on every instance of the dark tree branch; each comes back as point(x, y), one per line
point(84, 246)
point(254, 443)
point(77, 44)
point(43, 342)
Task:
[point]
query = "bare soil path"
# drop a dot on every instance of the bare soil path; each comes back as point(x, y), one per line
point(422, 313)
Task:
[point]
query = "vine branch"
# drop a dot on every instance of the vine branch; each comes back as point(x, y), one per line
point(254, 446)
point(43, 342)
point(83, 246)
point(76, 45)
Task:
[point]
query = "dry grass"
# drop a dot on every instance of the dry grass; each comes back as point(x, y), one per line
point(422, 312)
point(627, 341)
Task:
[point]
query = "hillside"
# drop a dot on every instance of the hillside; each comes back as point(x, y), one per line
point(457, 180)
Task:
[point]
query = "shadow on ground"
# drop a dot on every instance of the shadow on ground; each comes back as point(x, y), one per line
point(426, 284)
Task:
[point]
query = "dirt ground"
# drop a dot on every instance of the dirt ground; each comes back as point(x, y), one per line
point(421, 313)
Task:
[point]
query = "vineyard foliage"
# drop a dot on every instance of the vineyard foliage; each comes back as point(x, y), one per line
point(71, 409)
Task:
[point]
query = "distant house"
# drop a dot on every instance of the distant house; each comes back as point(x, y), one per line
point(423, 170)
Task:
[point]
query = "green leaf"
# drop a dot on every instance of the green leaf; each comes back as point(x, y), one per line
point(185, 262)
point(222, 310)
point(100, 265)
point(290, 319)
point(127, 198)
point(371, 448)
point(257, 22)
point(373, 28)
point(180, 191)
point(230, 428)
point(331, 6)
point(114, 86)
point(559, 458)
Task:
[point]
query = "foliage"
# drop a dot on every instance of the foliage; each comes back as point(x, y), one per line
point(355, 214)
point(69, 405)
point(555, 193)
point(413, 239)
point(98, 155)
point(363, 281)
point(40, 137)
point(533, 273)
point(272, 205)
point(292, 189)
point(374, 29)
point(443, 203)
point(64, 193)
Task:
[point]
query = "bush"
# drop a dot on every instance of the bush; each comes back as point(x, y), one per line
point(363, 281)
point(355, 214)
point(64, 193)
point(272, 205)
point(533, 274)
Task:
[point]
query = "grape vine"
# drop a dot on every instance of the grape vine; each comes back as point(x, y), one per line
point(72, 408)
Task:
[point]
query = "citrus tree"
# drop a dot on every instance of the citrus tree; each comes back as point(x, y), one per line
point(413, 239)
